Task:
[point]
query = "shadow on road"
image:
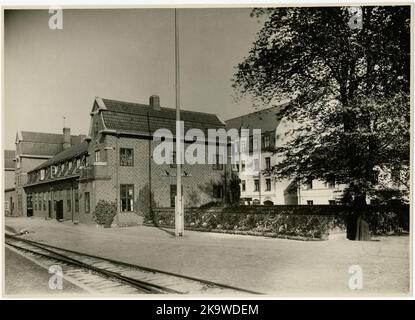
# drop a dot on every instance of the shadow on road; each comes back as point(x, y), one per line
point(172, 233)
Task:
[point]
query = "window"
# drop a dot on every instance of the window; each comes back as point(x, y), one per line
point(268, 162)
point(242, 166)
point(217, 191)
point(69, 165)
point(265, 141)
point(310, 202)
point(68, 200)
point(35, 202)
point(309, 183)
point(78, 163)
point(52, 171)
point(332, 202)
point(76, 195)
point(219, 163)
point(268, 182)
point(126, 157)
point(97, 156)
point(87, 204)
point(44, 201)
point(243, 185)
point(256, 184)
point(17, 163)
point(127, 197)
point(42, 174)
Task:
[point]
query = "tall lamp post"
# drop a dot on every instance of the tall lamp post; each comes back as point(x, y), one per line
point(179, 214)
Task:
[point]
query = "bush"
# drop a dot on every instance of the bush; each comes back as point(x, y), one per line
point(285, 221)
point(105, 212)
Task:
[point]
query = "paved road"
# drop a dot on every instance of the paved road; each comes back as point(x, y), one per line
point(24, 277)
point(273, 266)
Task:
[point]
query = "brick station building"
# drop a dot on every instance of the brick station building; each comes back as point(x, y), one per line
point(115, 163)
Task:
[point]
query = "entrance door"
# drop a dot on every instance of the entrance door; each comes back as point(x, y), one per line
point(29, 212)
point(59, 209)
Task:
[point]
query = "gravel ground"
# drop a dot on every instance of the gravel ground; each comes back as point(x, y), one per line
point(25, 278)
point(276, 267)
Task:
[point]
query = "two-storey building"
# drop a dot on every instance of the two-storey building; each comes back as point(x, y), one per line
point(32, 149)
point(115, 163)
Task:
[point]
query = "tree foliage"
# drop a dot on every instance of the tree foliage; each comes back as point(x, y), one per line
point(348, 90)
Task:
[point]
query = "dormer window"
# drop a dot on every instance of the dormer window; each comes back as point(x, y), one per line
point(69, 165)
point(42, 174)
point(53, 170)
point(78, 163)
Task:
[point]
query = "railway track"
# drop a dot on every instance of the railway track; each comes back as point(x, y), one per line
point(105, 276)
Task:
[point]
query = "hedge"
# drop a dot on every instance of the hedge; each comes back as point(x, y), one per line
point(308, 222)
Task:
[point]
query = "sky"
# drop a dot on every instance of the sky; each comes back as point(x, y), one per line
point(119, 54)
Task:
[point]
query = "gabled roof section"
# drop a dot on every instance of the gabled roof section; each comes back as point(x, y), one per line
point(43, 144)
point(127, 117)
point(9, 156)
point(70, 153)
point(266, 119)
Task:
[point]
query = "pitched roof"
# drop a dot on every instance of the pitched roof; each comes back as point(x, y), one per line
point(65, 155)
point(266, 119)
point(9, 156)
point(44, 144)
point(42, 137)
point(143, 119)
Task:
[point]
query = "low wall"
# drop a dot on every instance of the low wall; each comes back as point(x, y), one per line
point(297, 221)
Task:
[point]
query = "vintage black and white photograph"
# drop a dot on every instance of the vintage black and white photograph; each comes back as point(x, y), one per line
point(207, 151)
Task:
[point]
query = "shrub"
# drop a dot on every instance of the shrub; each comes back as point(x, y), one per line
point(285, 221)
point(105, 212)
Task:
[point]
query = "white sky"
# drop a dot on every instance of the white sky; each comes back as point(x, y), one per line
point(119, 54)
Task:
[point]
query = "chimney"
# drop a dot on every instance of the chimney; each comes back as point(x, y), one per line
point(66, 138)
point(155, 102)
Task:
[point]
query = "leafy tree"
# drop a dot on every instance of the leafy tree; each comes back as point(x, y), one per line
point(348, 90)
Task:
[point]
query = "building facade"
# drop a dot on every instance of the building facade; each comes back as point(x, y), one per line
point(9, 182)
point(32, 149)
point(264, 188)
point(115, 163)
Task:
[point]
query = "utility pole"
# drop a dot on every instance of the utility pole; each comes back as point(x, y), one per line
point(179, 214)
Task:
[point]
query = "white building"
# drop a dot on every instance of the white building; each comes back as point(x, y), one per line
point(265, 189)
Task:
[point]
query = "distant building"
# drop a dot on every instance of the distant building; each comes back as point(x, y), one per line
point(115, 163)
point(9, 182)
point(32, 149)
point(266, 189)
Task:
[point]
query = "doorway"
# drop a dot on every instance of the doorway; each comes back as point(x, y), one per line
point(59, 210)
point(29, 211)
